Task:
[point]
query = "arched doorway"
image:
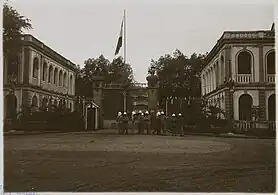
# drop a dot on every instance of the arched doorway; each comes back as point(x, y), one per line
point(245, 107)
point(10, 106)
point(272, 108)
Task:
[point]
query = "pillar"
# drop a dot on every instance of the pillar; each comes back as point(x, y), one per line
point(262, 105)
point(153, 85)
point(27, 63)
point(227, 62)
point(261, 64)
point(97, 96)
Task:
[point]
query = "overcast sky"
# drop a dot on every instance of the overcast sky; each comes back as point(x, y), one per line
point(79, 30)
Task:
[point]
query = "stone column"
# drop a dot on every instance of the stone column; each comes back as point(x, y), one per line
point(262, 105)
point(27, 63)
point(97, 96)
point(261, 65)
point(228, 70)
point(153, 85)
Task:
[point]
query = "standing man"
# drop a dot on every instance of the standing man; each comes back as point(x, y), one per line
point(163, 123)
point(141, 123)
point(147, 122)
point(125, 123)
point(158, 123)
point(133, 119)
point(180, 121)
point(174, 124)
point(119, 122)
point(152, 121)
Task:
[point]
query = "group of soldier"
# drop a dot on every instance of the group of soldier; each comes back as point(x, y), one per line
point(151, 123)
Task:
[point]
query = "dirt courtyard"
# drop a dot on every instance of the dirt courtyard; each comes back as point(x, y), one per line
point(86, 162)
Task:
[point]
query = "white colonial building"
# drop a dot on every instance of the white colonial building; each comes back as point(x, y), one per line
point(239, 75)
point(42, 78)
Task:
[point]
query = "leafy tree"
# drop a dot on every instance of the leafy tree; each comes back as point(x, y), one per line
point(178, 75)
point(13, 26)
point(113, 72)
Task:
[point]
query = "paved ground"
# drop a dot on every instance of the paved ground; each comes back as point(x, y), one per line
point(105, 162)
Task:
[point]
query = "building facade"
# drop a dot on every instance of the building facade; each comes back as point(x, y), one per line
point(42, 78)
point(239, 75)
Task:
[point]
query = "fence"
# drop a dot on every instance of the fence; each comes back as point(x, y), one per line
point(255, 124)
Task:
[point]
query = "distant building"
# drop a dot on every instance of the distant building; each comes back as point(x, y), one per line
point(42, 78)
point(239, 75)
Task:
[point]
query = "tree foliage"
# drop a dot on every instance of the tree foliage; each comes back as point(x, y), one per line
point(178, 74)
point(13, 26)
point(116, 72)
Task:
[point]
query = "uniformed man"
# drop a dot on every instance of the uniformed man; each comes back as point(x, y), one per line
point(125, 123)
point(158, 123)
point(147, 120)
point(174, 124)
point(180, 121)
point(138, 120)
point(119, 122)
point(163, 123)
point(133, 119)
point(141, 123)
point(152, 121)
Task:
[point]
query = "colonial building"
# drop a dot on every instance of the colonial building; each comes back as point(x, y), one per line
point(42, 78)
point(239, 75)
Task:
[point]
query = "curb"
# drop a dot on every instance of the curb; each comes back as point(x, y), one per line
point(22, 133)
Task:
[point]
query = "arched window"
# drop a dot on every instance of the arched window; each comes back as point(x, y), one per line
point(44, 71)
point(60, 78)
point(34, 101)
point(245, 107)
point(35, 67)
point(55, 75)
point(50, 74)
point(65, 80)
point(270, 61)
point(272, 108)
point(244, 63)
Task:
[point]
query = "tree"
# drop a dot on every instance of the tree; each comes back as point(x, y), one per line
point(113, 72)
point(178, 75)
point(13, 26)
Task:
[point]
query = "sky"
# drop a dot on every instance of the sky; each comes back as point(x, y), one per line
point(84, 29)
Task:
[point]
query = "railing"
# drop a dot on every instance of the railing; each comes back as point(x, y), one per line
point(248, 34)
point(271, 78)
point(244, 78)
point(255, 124)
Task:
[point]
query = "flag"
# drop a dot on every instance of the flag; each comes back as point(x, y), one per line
point(120, 40)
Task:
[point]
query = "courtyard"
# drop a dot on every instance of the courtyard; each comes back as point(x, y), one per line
point(83, 162)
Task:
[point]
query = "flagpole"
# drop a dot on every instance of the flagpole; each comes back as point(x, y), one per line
point(124, 37)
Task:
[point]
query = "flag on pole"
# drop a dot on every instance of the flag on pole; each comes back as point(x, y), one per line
point(120, 40)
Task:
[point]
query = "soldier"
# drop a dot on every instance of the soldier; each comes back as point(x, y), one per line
point(133, 119)
point(163, 123)
point(174, 124)
point(119, 122)
point(152, 121)
point(180, 121)
point(141, 123)
point(138, 121)
point(158, 123)
point(125, 123)
point(147, 122)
